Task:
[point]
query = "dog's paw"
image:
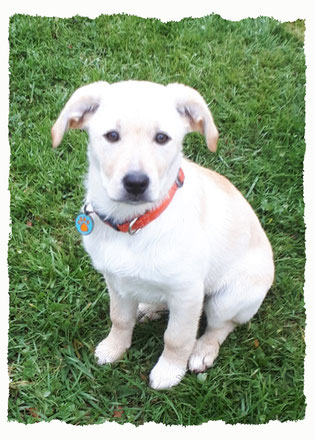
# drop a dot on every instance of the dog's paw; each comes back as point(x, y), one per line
point(107, 352)
point(165, 375)
point(150, 312)
point(203, 356)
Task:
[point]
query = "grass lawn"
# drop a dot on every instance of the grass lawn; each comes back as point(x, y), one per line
point(252, 74)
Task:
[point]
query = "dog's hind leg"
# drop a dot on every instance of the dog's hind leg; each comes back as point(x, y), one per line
point(232, 306)
point(151, 312)
point(206, 348)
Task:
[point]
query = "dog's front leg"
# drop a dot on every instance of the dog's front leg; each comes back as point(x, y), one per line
point(123, 316)
point(184, 312)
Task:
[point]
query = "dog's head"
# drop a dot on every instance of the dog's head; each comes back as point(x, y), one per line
point(136, 129)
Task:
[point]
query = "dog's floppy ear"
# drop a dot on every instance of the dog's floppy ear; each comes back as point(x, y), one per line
point(192, 106)
point(75, 114)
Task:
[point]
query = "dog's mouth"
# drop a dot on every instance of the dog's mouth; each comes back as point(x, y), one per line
point(129, 199)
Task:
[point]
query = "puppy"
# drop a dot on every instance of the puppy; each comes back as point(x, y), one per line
point(165, 232)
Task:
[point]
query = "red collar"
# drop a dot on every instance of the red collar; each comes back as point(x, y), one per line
point(137, 223)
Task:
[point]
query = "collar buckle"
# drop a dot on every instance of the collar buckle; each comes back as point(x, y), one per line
point(180, 178)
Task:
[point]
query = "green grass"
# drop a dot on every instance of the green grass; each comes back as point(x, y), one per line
point(252, 74)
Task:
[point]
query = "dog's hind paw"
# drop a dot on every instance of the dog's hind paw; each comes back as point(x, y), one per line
point(203, 356)
point(151, 312)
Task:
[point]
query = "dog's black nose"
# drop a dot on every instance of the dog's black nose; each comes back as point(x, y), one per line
point(136, 183)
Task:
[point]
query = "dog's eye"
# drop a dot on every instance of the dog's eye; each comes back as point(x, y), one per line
point(162, 138)
point(112, 136)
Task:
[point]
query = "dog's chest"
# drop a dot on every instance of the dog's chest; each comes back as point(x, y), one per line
point(138, 265)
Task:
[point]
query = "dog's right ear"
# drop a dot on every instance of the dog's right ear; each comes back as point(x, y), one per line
point(79, 108)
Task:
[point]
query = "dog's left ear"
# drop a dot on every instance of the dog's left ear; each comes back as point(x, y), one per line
point(192, 106)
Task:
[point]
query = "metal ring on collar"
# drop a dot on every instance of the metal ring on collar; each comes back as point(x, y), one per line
point(133, 231)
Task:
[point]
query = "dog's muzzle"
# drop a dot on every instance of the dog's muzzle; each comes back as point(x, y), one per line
point(84, 223)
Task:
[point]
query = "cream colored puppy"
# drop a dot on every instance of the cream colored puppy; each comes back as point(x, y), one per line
point(166, 232)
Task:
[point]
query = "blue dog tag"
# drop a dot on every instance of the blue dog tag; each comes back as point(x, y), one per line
point(84, 224)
